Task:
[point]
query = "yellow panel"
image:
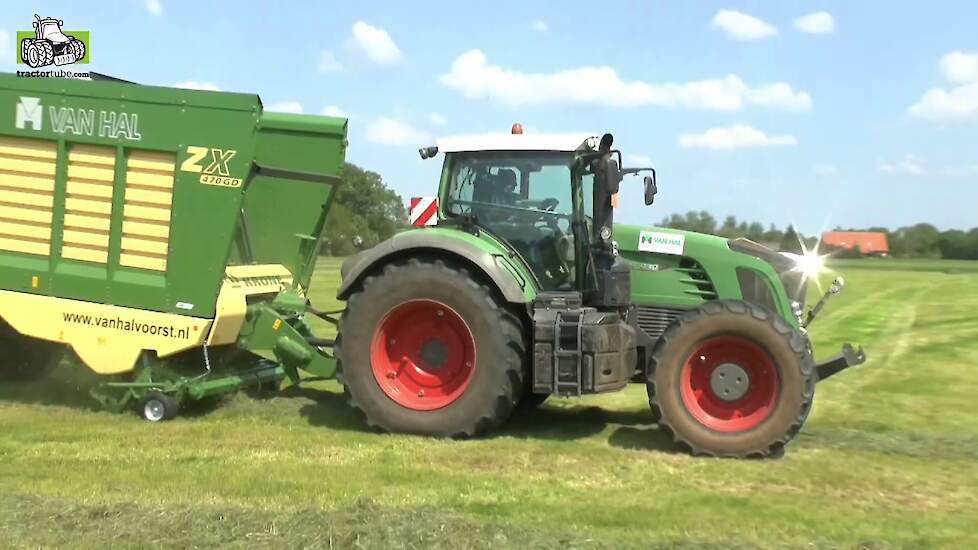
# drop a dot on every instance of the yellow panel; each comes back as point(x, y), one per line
point(24, 230)
point(84, 254)
point(164, 181)
point(41, 167)
point(28, 247)
point(91, 189)
point(143, 262)
point(27, 182)
point(263, 270)
point(155, 197)
point(84, 205)
point(75, 236)
point(90, 173)
point(88, 222)
point(136, 244)
point(26, 197)
point(107, 338)
point(28, 214)
point(147, 212)
point(92, 154)
point(152, 160)
point(148, 229)
point(28, 148)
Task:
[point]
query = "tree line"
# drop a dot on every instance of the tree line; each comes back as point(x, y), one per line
point(921, 240)
point(365, 206)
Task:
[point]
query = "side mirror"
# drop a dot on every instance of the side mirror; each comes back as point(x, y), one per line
point(650, 189)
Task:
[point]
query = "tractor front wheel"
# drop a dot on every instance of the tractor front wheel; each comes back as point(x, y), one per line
point(426, 348)
point(732, 379)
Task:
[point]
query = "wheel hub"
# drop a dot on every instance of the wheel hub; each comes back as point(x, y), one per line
point(729, 384)
point(433, 354)
point(729, 381)
point(423, 355)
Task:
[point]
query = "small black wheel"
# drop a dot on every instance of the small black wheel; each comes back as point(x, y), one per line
point(158, 407)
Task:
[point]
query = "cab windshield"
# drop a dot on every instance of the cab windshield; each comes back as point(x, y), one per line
point(524, 198)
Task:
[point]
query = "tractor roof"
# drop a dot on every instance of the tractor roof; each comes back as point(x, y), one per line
point(517, 142)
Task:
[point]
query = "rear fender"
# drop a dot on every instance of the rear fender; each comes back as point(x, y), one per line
point(480, 252)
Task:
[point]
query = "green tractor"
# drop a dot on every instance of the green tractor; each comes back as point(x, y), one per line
point(526, 288)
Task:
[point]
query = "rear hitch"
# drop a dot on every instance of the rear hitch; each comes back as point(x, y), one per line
point(848, 358)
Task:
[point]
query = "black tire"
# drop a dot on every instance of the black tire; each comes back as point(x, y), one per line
point(783, 349)
point(497, 334)
point(77, 48)
point(24, 359)
point(45, 52)
point(158, 407)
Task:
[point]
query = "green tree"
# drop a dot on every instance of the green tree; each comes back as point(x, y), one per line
point(363, 206)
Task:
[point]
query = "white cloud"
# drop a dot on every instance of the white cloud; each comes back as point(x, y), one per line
point(909, 165)
point(638, 161)
point(328, 62)
point(285, 107)
point(375, 43)
point(388, 131)
point(437, 119)
point(960, 102)
point(154, 7)
point(473, 76)
point(197, 85)
point(820, 22)
point(740, 26)
point(333, 110)
point(914, 166)
point(734, 137)
point(540, 26)
point(960, 67)
point(957, 102)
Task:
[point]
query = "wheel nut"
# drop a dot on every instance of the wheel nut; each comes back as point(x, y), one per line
point(391, 374)
point(392, 341)
point(440, 313)
point(420, 393)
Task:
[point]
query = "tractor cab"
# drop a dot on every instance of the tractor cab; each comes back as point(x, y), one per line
point(548, 197)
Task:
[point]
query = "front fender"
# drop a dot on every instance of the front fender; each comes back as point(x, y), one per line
point(480, 252)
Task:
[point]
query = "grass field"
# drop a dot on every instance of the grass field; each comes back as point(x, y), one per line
point(889, 458)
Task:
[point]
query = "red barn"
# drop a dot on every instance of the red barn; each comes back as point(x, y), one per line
point(870, 243)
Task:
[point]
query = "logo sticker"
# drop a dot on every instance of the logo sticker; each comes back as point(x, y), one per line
point(662, 243)
point(29, 111)
point(48, 45)
point(216, 171)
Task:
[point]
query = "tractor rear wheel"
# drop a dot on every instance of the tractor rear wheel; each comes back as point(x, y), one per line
point(426, 348)
point(23, 358)
point(732, 379)
point(45, 52)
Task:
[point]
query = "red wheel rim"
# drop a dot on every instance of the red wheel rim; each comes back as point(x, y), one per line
point(423, 355)
point(729, 384)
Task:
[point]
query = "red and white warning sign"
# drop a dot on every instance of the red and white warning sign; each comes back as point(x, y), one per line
point(424, 211)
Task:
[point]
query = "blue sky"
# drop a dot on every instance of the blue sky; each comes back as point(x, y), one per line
point(865, 113)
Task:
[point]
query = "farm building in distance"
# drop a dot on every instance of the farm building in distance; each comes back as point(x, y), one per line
point(870, 243)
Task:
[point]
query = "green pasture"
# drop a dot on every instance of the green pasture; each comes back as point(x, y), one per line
point(888, 459)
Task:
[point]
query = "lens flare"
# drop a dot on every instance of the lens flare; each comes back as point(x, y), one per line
point(809, 263)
